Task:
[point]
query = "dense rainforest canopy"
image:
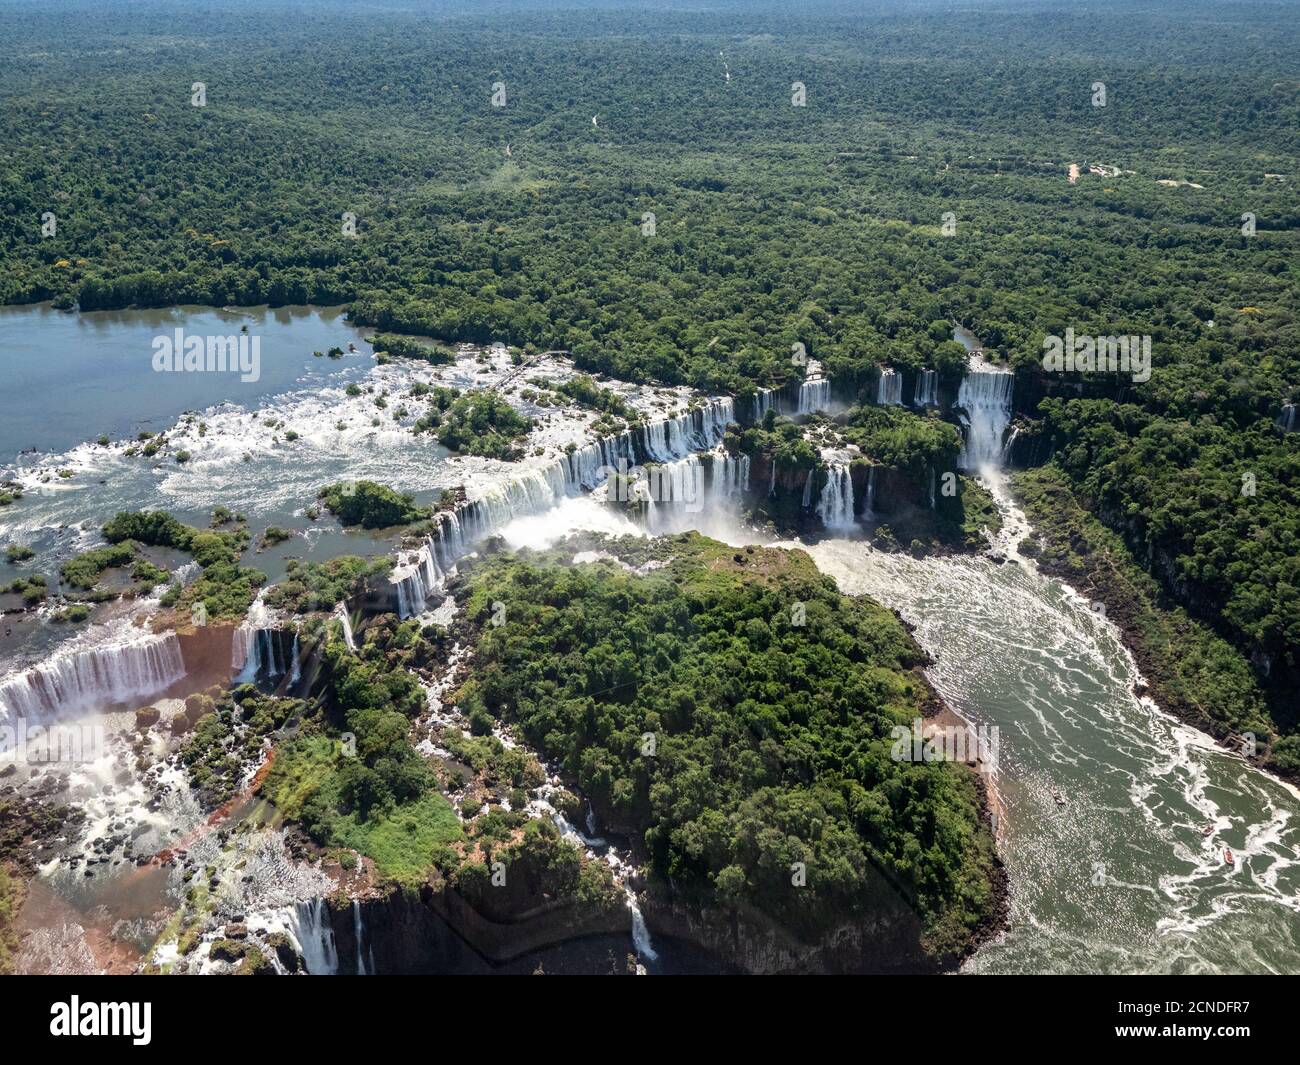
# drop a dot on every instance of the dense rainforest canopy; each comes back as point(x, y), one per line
point(736, 712)
point(683, 196)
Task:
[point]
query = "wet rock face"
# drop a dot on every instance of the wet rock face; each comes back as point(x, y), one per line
point(887, 942)
point(434, 930)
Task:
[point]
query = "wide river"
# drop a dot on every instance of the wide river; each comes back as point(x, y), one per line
point(1119, 879)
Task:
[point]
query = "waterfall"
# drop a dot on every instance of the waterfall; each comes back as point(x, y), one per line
point(835, 507)
point(417, 581)
point(80, 680)
point(771, 481)
point(640, 933)
point(341, 616)
point(537, 490)
point(927, 389)
point(985, 398)
point(240, 648)
point(1286, 419)
point(889, 390)
point(814, 395)
point(729, 476)
point(1009, 445)
point(869, 500)
point(807, 489)
point(357, 929)
point(685, 480)
point(296, 675)
point(676, 482)
point(588, 466)
point(704, 485)
point(803, 397)
point(931, 493)
point(254, 646)
point(313, 937)
point(591, 844)
point(694, 430)
point(262, 657)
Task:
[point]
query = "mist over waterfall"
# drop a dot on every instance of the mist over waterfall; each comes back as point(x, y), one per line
point(537, 490)
point(699, 491)
point(985, 399)
point(835, 506)
point(730, 475)
point(86, 678)
point(889, 390)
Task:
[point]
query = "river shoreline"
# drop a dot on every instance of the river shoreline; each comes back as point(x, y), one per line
point(1093, 581)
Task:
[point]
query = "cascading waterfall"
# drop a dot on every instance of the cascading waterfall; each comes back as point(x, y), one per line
point(241, 646)
point(869, 500)
point(262, 659)
point(78, 681)
point(640, 933)
point(594, 846)
point(693, 430)
point(313, 937)
point(588, 466)
point(254, 645)
point(530, 492)
point(676, 482)
point(808, 489)
point(889, 390)
point(686, 480)
point(927, 389)
point(729, 475)
point(358, 928)
point(1286, 419)
point(341, 616)
point(417, 581)
point(712, 481)
point(799, 397)
point(1009, 445)
point(538, 490)
point(814, 395)
point(985, 398)
point(835, 506)
point(294, 652)
point(931, 491)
